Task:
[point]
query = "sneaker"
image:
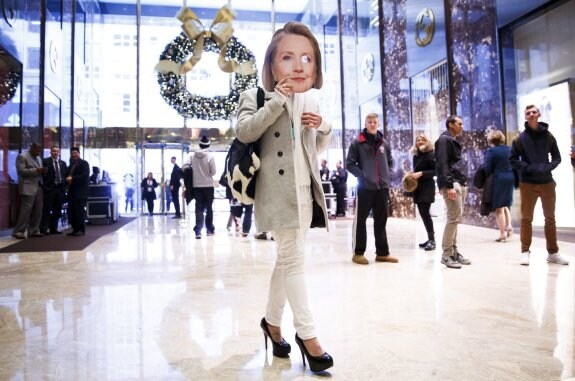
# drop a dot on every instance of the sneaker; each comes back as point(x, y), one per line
point(210, 233)
point(557, 258)
point(429, 246)
point(450, 262)
point(461, 260)
point(524, 258)
point(386, 258)
point(198, 236)
point(19, 235)
point(244, 234)
point(423, 244)
point(360, 259)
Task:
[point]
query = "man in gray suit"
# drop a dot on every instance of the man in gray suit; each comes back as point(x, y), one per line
point(30, 171)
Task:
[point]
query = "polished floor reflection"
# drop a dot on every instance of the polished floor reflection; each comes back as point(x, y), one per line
point(150, 302)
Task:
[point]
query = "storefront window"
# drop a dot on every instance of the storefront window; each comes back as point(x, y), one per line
point(539, 70)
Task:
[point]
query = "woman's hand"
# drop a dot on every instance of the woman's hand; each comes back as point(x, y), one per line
point(310, 119)
point(284, 88)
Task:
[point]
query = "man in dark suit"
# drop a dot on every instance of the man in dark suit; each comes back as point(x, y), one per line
point(53, 188)
point(77, 179)
point(339, 185)
point(175, 187)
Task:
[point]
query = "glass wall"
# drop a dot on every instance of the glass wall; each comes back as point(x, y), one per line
point(540, 71)
point(125, 44)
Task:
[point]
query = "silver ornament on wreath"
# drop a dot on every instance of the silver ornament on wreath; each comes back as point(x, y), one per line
point(9, 82)
point(195, 39)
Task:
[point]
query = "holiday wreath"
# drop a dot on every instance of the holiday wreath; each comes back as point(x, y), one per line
point(195, 39)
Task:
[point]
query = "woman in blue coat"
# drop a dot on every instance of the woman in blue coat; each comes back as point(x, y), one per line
point(498, 165)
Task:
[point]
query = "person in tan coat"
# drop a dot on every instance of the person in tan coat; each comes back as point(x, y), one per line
point(30, 171)
point(289, 198)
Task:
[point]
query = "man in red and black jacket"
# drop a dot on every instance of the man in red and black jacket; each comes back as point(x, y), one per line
point(369, 159)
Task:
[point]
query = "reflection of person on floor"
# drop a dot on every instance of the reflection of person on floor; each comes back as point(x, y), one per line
point(77, 179)
point(54, 191)
point(149, 185)
point(30, 171)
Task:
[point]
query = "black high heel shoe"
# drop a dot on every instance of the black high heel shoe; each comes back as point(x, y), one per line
point(280, 348)
point(316, 363)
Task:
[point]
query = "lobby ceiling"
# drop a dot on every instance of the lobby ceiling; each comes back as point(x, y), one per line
point(281, 6)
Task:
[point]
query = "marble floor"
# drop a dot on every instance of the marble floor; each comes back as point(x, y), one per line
point(150, 302)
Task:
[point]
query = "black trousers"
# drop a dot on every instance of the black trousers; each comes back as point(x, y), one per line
point(150, 201)
point(77, 214)
point(340, 193)
point(51, 209)
point(176, 200)
point(424, 208)
point(375, 201)
point(204, 200)
point(247, 222)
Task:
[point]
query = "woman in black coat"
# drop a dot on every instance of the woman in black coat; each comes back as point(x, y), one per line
point(149, 186)
point(424, 194)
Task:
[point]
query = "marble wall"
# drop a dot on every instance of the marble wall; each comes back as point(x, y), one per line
point(473, 88)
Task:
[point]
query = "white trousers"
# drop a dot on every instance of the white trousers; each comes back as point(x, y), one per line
point(288, 280)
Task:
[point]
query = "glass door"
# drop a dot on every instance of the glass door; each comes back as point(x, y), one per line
point(156, 158)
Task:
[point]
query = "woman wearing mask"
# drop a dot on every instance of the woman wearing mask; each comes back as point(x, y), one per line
point(289, 197)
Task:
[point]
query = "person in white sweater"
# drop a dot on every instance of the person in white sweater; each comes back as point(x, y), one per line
point(204, 167)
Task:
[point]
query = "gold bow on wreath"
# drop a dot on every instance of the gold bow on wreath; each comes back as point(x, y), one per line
point(220, 31)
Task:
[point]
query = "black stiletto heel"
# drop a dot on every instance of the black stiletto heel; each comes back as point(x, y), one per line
point(316, 363)
point(280, 348)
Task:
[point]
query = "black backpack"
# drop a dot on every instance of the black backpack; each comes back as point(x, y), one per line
point(241, 165)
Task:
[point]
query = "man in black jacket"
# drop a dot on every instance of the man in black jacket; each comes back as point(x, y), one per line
point(54, 186)
point(452, 184)
point(338, 182)
point(77, 179)
point(369, 159)
point(175, 187)
point(529, 155)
